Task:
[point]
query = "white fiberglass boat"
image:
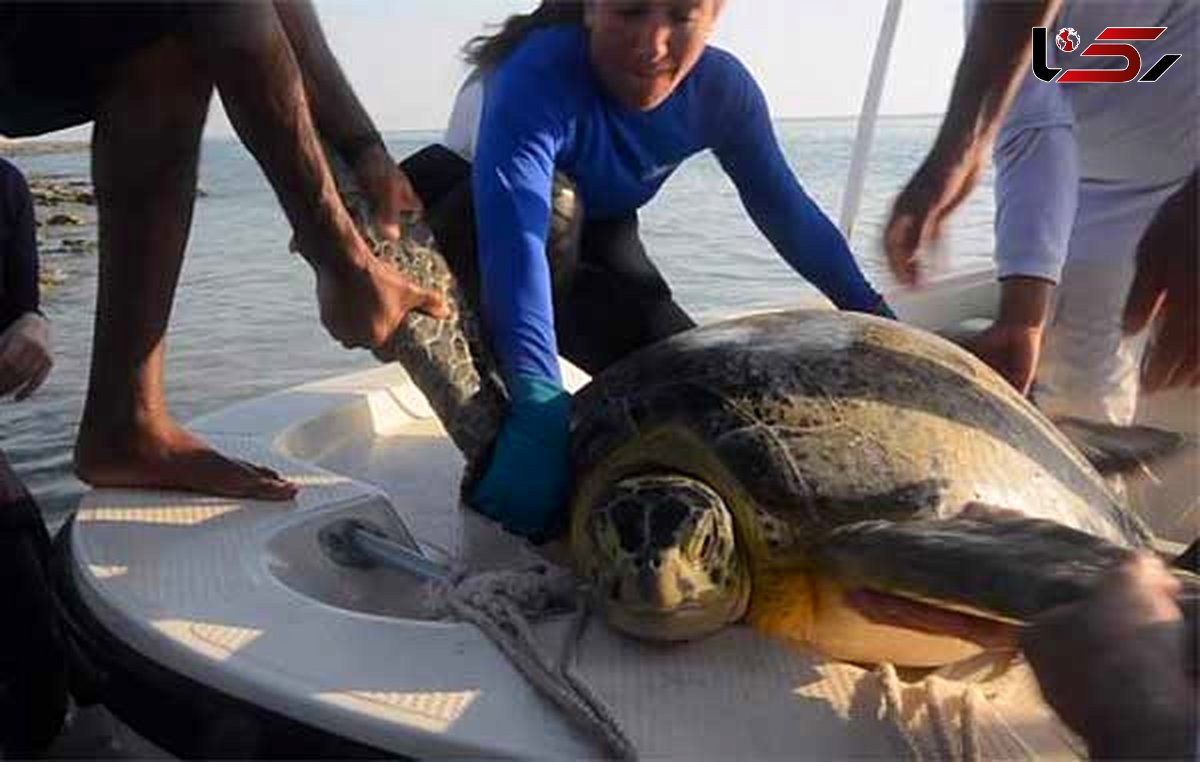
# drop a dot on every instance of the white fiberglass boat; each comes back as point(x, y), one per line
point(225, 628)
point(221, 627)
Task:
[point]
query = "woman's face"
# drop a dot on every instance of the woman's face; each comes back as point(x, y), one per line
point(642, 49)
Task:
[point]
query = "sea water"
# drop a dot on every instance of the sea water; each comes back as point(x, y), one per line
point(245, 318)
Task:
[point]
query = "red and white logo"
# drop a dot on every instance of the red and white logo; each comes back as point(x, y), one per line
point(1115, 42)
point(1067, 39)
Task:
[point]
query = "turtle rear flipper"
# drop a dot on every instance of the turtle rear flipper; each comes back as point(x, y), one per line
point(1115, 449)
point(1002, 567)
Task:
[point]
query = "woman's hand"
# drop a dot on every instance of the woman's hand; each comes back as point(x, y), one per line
point(25, 356)
point(528, 480)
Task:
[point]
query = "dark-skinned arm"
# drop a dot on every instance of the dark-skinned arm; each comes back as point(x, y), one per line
point(341, 118)
point(988, 76)
point(246, 48)
point(1166, 292)
point(339, 114)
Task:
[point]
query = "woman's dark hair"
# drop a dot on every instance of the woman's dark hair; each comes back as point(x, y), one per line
point(488, 50)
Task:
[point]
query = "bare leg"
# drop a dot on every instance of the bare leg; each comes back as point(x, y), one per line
point(145, 151)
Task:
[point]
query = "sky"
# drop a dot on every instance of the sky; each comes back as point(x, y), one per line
point(402, 56)
point(810, 56)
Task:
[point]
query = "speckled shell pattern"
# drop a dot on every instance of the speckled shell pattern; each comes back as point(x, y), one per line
point(448, 360)
point(827, 418)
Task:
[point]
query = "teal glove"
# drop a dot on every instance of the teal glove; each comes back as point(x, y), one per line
point(884, 310)
point(526, 483)
point(878, 308)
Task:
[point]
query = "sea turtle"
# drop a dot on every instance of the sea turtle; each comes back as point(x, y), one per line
point(717, 472)
point(758, 467)
point(449, 360)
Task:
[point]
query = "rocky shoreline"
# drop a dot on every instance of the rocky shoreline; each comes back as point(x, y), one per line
point(65, 212)
point(65, 208)
point(10, 148)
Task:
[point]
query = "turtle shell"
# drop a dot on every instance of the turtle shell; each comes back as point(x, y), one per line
point(805, 421)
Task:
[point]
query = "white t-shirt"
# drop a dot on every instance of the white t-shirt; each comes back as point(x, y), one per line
point(462, 133)
point(1082, 168)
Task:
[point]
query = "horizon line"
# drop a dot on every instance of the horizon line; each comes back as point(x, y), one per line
point(818, 118)
point(223, 135)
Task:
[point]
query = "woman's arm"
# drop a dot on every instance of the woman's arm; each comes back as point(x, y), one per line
point(520, 132)
point(511, 178)
point(792, 221)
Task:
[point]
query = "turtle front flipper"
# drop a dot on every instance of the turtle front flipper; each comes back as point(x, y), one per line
point(450, 360)
point(999, 566)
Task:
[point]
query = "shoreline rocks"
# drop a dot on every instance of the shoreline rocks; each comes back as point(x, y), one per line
point(37, 147)
point(65, 211)
point(62, 219)
point(54, 192)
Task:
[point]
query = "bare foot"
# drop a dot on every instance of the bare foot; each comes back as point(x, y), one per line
point(165, 456)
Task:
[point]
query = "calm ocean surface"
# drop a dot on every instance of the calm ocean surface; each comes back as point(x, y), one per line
point(245, 319)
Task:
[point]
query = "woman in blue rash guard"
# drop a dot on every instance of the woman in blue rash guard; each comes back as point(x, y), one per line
point(613, 94)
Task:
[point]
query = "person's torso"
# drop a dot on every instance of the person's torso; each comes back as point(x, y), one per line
point(618, 157)
point(11, 184)
point(1137, 141)
point(1141, 132)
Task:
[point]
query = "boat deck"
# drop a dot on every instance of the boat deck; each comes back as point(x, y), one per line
point(237, 595)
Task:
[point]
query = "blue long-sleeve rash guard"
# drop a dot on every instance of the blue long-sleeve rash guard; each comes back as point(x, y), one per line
point(544, 110)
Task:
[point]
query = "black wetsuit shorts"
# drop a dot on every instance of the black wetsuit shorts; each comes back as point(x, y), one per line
point(33, 670)
point(609, 298)
point(56, 58)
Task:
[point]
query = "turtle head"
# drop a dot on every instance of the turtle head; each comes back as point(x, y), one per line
point(664, 560)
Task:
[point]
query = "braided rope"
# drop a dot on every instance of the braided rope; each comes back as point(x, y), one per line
point(966, 747)
point(970, 724)
point(501, 604)
point(940, 724)
point(893, 708)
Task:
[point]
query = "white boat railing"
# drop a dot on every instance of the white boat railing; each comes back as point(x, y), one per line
point(852, 198)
